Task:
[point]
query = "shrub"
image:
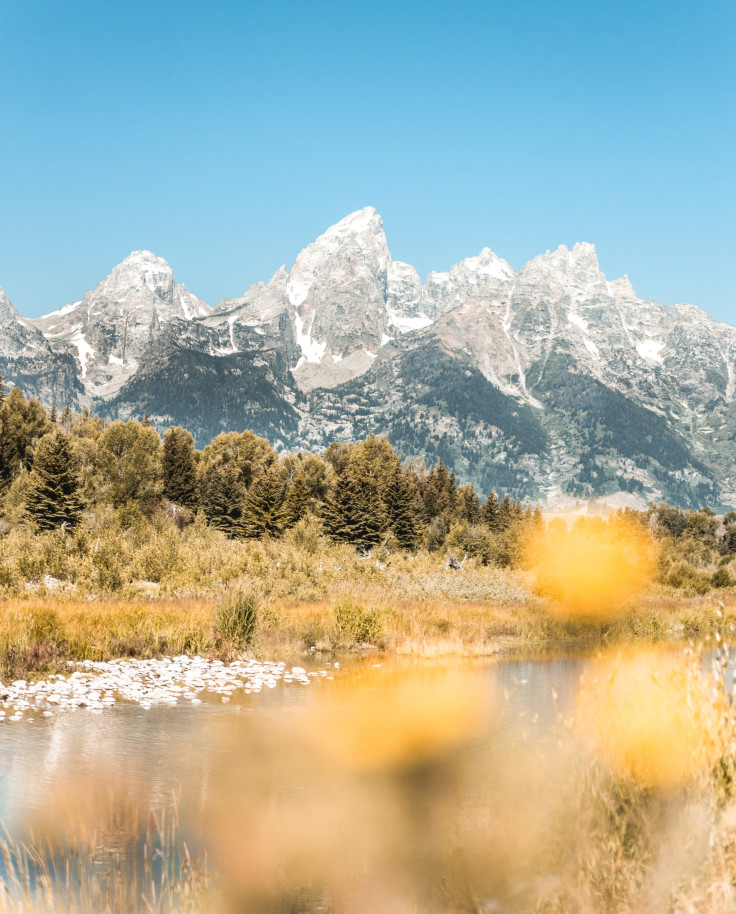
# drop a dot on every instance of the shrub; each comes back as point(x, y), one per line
point(357, 625)
point(306, 535)
point(237, 619)
point(721, 578)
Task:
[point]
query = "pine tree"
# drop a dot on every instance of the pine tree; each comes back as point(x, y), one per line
point(451, 490)
point(404, 508)
point(146, 421)
point(297, 501)
point(52, 415)
point(179, 468)
point(355, 513)
point(538, 524)
point(223, 499)
point(490, 510)
point(264, 506)
point(431, 494)
point(468, 506)
point(66, 420)
point(507, 514)
point(53, 494)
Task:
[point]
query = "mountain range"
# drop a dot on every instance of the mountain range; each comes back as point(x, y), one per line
point(552, 383)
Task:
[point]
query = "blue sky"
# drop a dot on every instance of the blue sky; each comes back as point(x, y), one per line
point(225, 136)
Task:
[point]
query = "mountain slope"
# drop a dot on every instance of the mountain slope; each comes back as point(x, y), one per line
point(551, 382)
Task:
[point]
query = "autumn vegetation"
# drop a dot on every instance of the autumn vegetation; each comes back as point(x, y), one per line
point(236, 545)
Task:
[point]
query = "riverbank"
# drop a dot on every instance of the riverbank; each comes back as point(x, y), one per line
point(39, 634)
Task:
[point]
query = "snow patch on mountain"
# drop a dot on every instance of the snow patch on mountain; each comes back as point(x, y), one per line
point(65, 309)
point(406, 324)
point(86, 352)
point(297, 292)
point(591, 347)
point(651, 350)
point(486, 264)
point(578, 321)
point(312, 351)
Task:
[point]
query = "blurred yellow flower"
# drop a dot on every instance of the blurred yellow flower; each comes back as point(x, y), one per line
point(593, 569)
point(649, 716)
point(400, 721)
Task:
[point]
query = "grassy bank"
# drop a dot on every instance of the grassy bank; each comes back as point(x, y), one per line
point(40, 633)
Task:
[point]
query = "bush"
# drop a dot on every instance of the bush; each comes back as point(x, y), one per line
point(237, 619)
point(357, 625)
point(721, 578)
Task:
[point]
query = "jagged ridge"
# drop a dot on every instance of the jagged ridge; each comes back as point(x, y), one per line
point(551, 382)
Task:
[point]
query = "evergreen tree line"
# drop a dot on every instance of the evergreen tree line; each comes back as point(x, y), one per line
point(53, 467)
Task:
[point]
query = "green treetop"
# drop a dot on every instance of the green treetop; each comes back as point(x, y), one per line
point(179, 468)
point(264, 506)
point(223, 498)
point(297, 502)
point(52, 497)
point(404, 508)
point(355, 513)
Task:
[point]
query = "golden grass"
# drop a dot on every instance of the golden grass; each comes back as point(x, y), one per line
point(39, 633)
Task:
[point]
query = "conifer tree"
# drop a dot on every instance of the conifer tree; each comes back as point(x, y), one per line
point(431, 494)
point(53, 415)
point(179, 467)
point(264, 506)
point(442, 474)
point(223, 499)
point(538, 520)
point(404, 508)
point(490, 510)
point(66, 420)
point(355, 513)
point(53, 494)
point(452, 491)
point(468, 506)
point(297, 501)
point(506, 514)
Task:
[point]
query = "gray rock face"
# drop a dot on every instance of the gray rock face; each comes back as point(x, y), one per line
point(109, 331)
point(27, 359)
point(552, 382)
point(348, 298)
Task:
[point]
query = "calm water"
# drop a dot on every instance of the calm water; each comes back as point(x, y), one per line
point(305, 792)
point(165, 751)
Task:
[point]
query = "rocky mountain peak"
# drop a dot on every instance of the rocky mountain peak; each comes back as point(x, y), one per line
point(549, 383)
point(622, 288)
point(140, 270)
point(573, 274)
point(354, 246)
point(6, 306)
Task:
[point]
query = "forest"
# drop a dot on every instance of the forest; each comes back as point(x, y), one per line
point(102, 505)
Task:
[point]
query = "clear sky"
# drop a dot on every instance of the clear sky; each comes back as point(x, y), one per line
point(226, 135)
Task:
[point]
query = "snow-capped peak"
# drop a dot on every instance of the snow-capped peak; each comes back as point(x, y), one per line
point(487, 265)
point(140, 269)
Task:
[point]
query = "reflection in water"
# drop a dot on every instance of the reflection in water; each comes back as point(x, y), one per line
point(163, 751)
point(405, 786)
